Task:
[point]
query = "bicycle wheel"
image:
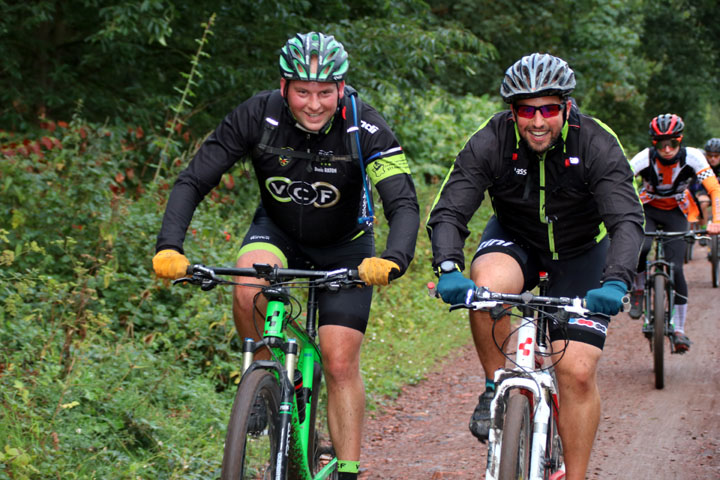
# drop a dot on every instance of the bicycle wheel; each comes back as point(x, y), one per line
point(515, 448)
point(659, 308)
point(251, 444)
point(715, 269)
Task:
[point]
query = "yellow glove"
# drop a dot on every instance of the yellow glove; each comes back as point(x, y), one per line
point(376, 270)
point(170, 264)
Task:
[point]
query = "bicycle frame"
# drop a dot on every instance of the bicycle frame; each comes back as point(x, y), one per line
point(538, 385)
point(294, 350)
point(303, 357)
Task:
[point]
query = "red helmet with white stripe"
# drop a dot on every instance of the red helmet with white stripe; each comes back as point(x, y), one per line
point(667, 125)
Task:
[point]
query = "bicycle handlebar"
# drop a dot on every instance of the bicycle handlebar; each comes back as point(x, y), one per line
point(481, 298)
point(688, 235)
point(207, 277)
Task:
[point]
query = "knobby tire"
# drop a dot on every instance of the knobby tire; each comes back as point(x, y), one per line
point(515, 448)
point(250, 455)
point(659, 311)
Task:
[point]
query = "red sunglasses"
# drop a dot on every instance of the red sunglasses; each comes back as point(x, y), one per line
point(547, 111)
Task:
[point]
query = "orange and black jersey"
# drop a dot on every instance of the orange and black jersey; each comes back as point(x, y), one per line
point(315, 200)
point(666, 186)
point(560, 203)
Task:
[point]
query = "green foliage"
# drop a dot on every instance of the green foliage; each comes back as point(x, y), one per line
point(106, 372)
point(684, 47)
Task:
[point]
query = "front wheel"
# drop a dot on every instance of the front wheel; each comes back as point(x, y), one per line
point(252, 435)
point(659, 311)
point(515, 448)
point(715, 269)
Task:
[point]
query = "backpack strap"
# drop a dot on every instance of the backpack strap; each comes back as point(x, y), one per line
point(354, 130)
point(273, 112)
point(351, 112)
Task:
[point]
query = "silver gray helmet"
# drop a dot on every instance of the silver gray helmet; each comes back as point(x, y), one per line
point(712, 145)
point(537, 75)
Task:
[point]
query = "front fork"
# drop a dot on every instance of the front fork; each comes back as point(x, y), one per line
point(650, 321)
point(542, 393)
point(299, 385)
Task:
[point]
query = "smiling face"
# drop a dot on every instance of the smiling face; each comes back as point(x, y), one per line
point(540, 132)
point(312, 103)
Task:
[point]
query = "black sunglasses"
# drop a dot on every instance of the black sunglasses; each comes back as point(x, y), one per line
point(547, 111)
point(663, 144)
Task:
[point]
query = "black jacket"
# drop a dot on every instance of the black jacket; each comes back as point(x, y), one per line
point(316, 202)
point(560, 204)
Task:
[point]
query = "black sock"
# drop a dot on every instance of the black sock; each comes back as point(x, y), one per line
point(347, 476)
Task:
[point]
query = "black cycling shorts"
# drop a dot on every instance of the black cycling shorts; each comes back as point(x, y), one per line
point(347, 307)
point(566, 278)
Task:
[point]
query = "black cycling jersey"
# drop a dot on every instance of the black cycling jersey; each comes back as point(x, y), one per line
point(317, 201)
point(560, 203)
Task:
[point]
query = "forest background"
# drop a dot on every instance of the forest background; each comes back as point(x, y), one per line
point(107, 372)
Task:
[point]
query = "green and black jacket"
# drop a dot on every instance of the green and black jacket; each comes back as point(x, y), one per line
point(560, 203)
point(315, 198)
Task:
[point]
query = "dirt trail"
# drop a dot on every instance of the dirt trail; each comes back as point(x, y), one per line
point(644, 433)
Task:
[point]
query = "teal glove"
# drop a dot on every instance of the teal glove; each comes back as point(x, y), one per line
point(606, 299)
point(453, 287)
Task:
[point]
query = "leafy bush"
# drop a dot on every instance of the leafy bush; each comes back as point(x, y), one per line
point(107, 372)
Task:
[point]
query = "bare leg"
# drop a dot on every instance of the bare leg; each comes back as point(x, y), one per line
point(340, 347)
point(500, 273)
point(247, 321)
point(579, 404)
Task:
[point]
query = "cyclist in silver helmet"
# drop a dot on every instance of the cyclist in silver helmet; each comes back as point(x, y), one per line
point(315, 209)
point(561, 189)
point(712, 154)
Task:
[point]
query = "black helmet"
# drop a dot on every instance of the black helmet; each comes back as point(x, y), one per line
point(537, 75)
point(668, 125)
point(296, 54)
point(712, 146)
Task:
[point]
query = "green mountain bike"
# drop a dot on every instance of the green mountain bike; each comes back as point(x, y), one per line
point(272, 432)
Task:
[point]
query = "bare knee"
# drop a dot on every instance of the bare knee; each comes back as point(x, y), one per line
point(579, 377)
point(341, 354)
point(340, 370)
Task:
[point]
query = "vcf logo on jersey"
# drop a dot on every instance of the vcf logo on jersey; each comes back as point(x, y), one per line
point(318, 194)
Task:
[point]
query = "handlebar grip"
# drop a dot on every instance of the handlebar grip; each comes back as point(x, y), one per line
point(626, 303)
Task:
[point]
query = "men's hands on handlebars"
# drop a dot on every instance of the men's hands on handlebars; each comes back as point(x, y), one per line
point(453, 287)
point(378, 271)
point(170, 264)
point(606, 299)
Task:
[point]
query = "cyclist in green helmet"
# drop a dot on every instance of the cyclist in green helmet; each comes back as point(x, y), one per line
point(313, 167)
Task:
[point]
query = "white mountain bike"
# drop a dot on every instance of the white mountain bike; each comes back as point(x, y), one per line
point(524, 441)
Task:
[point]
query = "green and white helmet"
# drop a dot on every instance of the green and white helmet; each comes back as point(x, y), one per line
point(296, 54)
